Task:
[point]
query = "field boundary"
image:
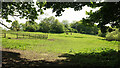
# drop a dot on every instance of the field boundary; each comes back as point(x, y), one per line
point(23, 35)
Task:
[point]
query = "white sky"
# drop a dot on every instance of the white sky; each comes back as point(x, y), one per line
point(68, 14)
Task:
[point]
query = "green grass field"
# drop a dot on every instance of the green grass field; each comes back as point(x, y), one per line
point(76, 49)
point(61, 43)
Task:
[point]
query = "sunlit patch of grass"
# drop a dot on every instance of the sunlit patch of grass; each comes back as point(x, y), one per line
point(60, 43)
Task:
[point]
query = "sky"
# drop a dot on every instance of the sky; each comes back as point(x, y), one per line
point(69, 14)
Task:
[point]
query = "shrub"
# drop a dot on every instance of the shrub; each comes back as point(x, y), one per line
point(114, 35)
point(101, 34)
point(82, 28)
point(15, 26)
point(57, 27)
point(73, 30)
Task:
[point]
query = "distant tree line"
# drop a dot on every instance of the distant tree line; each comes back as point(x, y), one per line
point(82, 28)
point(52, 25)
point(103, 16)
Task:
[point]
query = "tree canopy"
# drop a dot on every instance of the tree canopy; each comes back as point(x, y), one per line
point(109, 13)
point(104, 16)
point(15, 26)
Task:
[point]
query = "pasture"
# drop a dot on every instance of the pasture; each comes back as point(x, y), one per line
point(64, 47)
point(60, 43)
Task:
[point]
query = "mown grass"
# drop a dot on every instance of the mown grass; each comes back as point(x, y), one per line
point(61, 43)
point(85, 51)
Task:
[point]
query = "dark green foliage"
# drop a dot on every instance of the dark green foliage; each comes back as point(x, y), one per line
point(24, 10)
point(15, 26)
point(45, 24)
point(57, 27)
point(101, 34)
point(110, 29)
point(108, 58)
point(105, 15)
point(74, 30)
point(54, 26)
point(51, 25)
point(81, 28)
point(28, 26)
point(44, 27)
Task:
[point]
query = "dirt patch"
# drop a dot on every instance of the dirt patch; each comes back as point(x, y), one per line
point(31, 55)
point(11, 59)
point(51, 39)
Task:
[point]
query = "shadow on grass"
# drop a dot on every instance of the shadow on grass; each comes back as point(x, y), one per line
point(108, 40)
point(13, 60)
point(105, 59)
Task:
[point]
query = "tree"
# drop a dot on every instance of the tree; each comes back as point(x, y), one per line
point(82, 28)
point(44, 27)
point(57, 27)
point(22, 26)
point(25, 10)
point(65, 23)
point(103, 16)
point(74, 25)
point(28, 10)
point(30, 26)
point(46, 24)
point(15, 26)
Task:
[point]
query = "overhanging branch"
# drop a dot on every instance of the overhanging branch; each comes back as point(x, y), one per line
point(16, 15)
point(5, 25)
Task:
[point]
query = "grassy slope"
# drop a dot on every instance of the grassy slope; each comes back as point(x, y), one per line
point(61, 43)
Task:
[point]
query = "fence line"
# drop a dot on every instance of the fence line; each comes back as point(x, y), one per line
point(23, 35)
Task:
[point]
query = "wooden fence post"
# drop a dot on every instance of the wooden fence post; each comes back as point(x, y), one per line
point(4, 35)
point(35, 36)
point(23, 35)
point(29, 35)
point(38, 36)
point(47, 35)
point(71, 33)
point(66, 33)
point(17, 35)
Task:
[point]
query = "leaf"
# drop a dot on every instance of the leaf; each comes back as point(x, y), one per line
point(91, 1)
point(8, 20)
point(86, 13)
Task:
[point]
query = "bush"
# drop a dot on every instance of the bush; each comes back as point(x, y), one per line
point(84, 29)
point(114, 35)
point(101, 34)
point(75, 31)
point(57, 27)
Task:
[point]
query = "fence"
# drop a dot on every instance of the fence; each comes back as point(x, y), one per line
point(23, 35)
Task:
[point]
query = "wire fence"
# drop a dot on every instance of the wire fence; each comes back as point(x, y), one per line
point(23, 35)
